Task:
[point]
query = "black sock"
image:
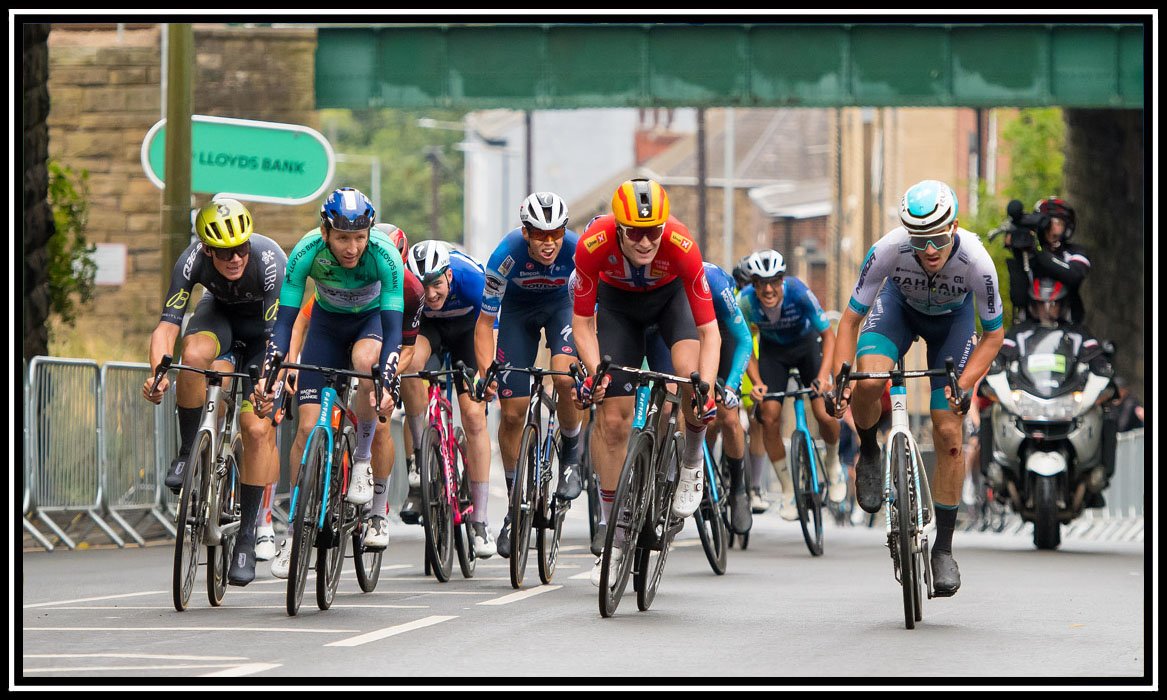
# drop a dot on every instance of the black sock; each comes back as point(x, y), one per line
point(249, 500)
point(188, 425)
point(868, 440)
point(510, 479)
point(737, 474)
point(945, 524)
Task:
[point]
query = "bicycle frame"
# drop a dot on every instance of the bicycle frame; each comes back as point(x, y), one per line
point(899, 425)
point(222, 431)
point(440, 413)
point(329, 421)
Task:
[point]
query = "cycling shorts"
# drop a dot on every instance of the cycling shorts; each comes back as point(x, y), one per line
point(660, 359)
point(329, 342)
point(622, 317)
point(775, 361)
point(229, 324)
point(892, 326)
point(518, 341)
point(455, 336)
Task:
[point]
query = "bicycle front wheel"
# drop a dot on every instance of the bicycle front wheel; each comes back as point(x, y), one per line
point(463, 532)
point(552, 510)
point(366, 561)
point(710, 519)
point(810, 513)
point(226, 508)
point(629, 510)
point(591, 481)
point(524, 491)
point(650, 564)
point(331, 541)
point(905, 515)
point(437, 516)
point(192, 516)
point(306, 523)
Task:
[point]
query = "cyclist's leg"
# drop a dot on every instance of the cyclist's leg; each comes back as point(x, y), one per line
point(759, 459)
point(828, 426)
point(679, 332)
point(365, 353)
point(518, 343)
point(260, 467)
point(557, 330)
point(413, 396)
point(201, 346)
point(774, 363)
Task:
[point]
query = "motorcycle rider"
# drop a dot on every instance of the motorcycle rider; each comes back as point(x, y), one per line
point(1050, 256)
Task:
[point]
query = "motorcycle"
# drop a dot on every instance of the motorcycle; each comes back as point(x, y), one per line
point(1052, 446)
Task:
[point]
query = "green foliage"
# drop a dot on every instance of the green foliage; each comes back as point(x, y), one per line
point(71, 268)
point(393, 135)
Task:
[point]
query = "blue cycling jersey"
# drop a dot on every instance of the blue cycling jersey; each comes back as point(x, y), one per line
point(731, 324)
point(799, 314)
point(465, 289)
point(512, 272)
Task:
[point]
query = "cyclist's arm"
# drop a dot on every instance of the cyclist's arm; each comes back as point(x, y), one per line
point(981, 358)
point(989, 308)
point(391, 272)
point(299, 331)
point(846, 339)
point(825, 378)
point(484, 341)
point(182, 282)
point(587, 343)
point(162, 341)
point(743, 345)
point(292, 292)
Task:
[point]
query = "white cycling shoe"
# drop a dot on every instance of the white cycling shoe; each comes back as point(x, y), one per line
point(838, 484)
point(265, 543)
point(360, 488)
point(377, 536)
point(599, 567)
point(689, 489)
point(283, 560)
point(788, 511)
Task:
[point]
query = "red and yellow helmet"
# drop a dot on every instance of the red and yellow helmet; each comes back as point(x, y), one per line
point(640, 202)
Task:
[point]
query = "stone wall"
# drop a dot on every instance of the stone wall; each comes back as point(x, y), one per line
point(38, 219)
point(106, 94)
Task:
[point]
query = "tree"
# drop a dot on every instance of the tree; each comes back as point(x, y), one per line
point(70, 257)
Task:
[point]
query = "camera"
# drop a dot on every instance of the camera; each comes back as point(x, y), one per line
point(1026, 227)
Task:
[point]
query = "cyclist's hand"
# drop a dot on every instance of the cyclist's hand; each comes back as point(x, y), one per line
point(757, 392)
point(489, 391)
point(261, 398)
point(156, 397)
point(708, 412)
point(590, 392)
point(823, 383)
point(730, 398)
point(959, 405)
point(386, 405)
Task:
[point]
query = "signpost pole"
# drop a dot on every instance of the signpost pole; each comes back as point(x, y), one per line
point(176, 200)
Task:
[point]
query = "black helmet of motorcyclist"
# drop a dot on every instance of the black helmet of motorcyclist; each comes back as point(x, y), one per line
point(1062, 222)
point(1046, 297)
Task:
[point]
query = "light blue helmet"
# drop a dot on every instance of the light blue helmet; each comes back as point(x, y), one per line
point(927, 206)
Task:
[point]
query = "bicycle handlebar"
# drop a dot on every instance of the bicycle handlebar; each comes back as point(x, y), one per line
point(846, 376)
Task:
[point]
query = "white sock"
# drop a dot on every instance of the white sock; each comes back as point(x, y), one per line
point(694, 439)
point(416, 427)
point(479, 494)
point(783, 473)
point(380, 496)
point(571, 432)
point(366, 429)
point(757, 467)
point(834, 468)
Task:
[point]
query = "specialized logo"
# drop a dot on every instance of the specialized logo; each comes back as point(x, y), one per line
point(506, 265)
point(593, 242)
point(681, 242)
point(566, 333)
point(178, 301)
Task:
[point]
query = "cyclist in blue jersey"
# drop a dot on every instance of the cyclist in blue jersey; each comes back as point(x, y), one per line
point(920, 280)
point(736, 348)
point(358, 318)
point(453, 284)
point(531, 267)
point(794, 333)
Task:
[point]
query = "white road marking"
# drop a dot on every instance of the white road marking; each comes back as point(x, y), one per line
point(186, 629)
point(231, 607)
point(87, 600)
point(519, 595)
point(583, 575)
point(112, 655)
point(390, 631)
point(91, 669)
point(244, 670)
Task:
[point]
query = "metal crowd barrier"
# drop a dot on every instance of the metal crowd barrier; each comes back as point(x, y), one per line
point(29, 505)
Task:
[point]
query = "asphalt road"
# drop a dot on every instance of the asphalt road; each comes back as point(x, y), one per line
point(777, 616)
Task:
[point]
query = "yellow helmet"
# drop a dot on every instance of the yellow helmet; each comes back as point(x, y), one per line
point(640, 202)
point(224, 223)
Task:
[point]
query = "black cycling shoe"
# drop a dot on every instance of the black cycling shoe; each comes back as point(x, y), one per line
point(945, 574)
point(570, 481)
point(174, 474)
point(504, 538)
point(598, 540)
point(868, 490)
point(741, 517)
point(411, 508)
point(242, 564)
point(1095, 500)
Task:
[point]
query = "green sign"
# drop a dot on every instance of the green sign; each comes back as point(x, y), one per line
point(248, 160)
point(1046, 362)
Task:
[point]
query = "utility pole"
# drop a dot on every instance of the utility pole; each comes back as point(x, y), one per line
point(433, 155)
point(702, 238)
point(176, 223)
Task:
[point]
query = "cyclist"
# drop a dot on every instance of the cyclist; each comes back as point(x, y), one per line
point(633, 268)
point(531, 267)
point(242, 272)
point(793, 333)
point(357, 320)
point(736, 348)
point(755, 444)
point(453, 284)
point(933, 269)
point(383, 447)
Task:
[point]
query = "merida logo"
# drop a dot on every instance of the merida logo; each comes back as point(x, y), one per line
point(990, 293)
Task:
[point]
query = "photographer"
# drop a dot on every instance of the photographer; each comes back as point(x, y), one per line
point(1041, 249)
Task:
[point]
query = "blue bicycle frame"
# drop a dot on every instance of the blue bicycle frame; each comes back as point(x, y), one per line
point(812, 453)
point(329, 401)
point(714, 496)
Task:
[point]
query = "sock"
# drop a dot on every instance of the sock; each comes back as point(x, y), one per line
point(479, 493)
point(833, 465)
point(249, 499)
point(606, 500)
point(188, 425)
point(945, 524)
point(509, 477)
point(736, 474)
point(694, 439)
point(380, 496)
point(416, 428)
point(784, 479)
point(366, 429)
point(265, 507)
point(757, 466)
point(571, 432)
point(868, 442)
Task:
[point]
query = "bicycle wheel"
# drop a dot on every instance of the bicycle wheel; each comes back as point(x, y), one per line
point(437, 516)
point(904, 525)
point(331, 541)
point(306, 502)
point(650, 561)
point(625, 522)
point(463, 532)
point(524, 491)
point(552, 511)
point(226, 507)
point(591, 481)
point(366, 561)
point(810, 508)
point(191, 520)
point(711, 523)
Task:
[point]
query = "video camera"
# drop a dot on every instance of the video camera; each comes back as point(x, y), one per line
point(1023, 235)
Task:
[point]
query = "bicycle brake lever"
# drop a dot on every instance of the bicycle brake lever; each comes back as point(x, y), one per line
point(161, 370)
point(378, 391)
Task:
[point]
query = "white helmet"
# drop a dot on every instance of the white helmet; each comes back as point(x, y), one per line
point(429, 259)
point(545, 211)
point(927, 206)
point(764, 264)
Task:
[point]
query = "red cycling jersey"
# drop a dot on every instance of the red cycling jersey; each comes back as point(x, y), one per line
point(598, 257)
point(412, 293)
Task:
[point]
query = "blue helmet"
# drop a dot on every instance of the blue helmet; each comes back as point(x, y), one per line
point(927, 206)
point(348, 209)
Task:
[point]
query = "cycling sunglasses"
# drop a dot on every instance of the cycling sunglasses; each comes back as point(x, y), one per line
point(541, 236)
point(939, 241)
point(636, 234)
point(775, 281)
point(225, 254)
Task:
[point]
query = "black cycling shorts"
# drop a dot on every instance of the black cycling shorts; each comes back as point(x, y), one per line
point(229, 324)
point(623, 316)
point(775, 361)
point(455, 336)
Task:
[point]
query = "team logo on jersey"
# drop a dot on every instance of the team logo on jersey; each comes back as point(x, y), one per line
point(270, 314)
point(267, 256)
point(178, 301)
point(593, 242)
point(681, 242)
point(701, 287)
point(566, 349)
point(506, 265)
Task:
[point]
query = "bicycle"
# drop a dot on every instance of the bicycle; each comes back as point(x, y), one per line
point(643, 525)
point(208, 504)
point(446, 503)
point(319, 516)
point(590, 480)
point(712, 516)
point(533, 504)
point(806, 466)
point(907, 498)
